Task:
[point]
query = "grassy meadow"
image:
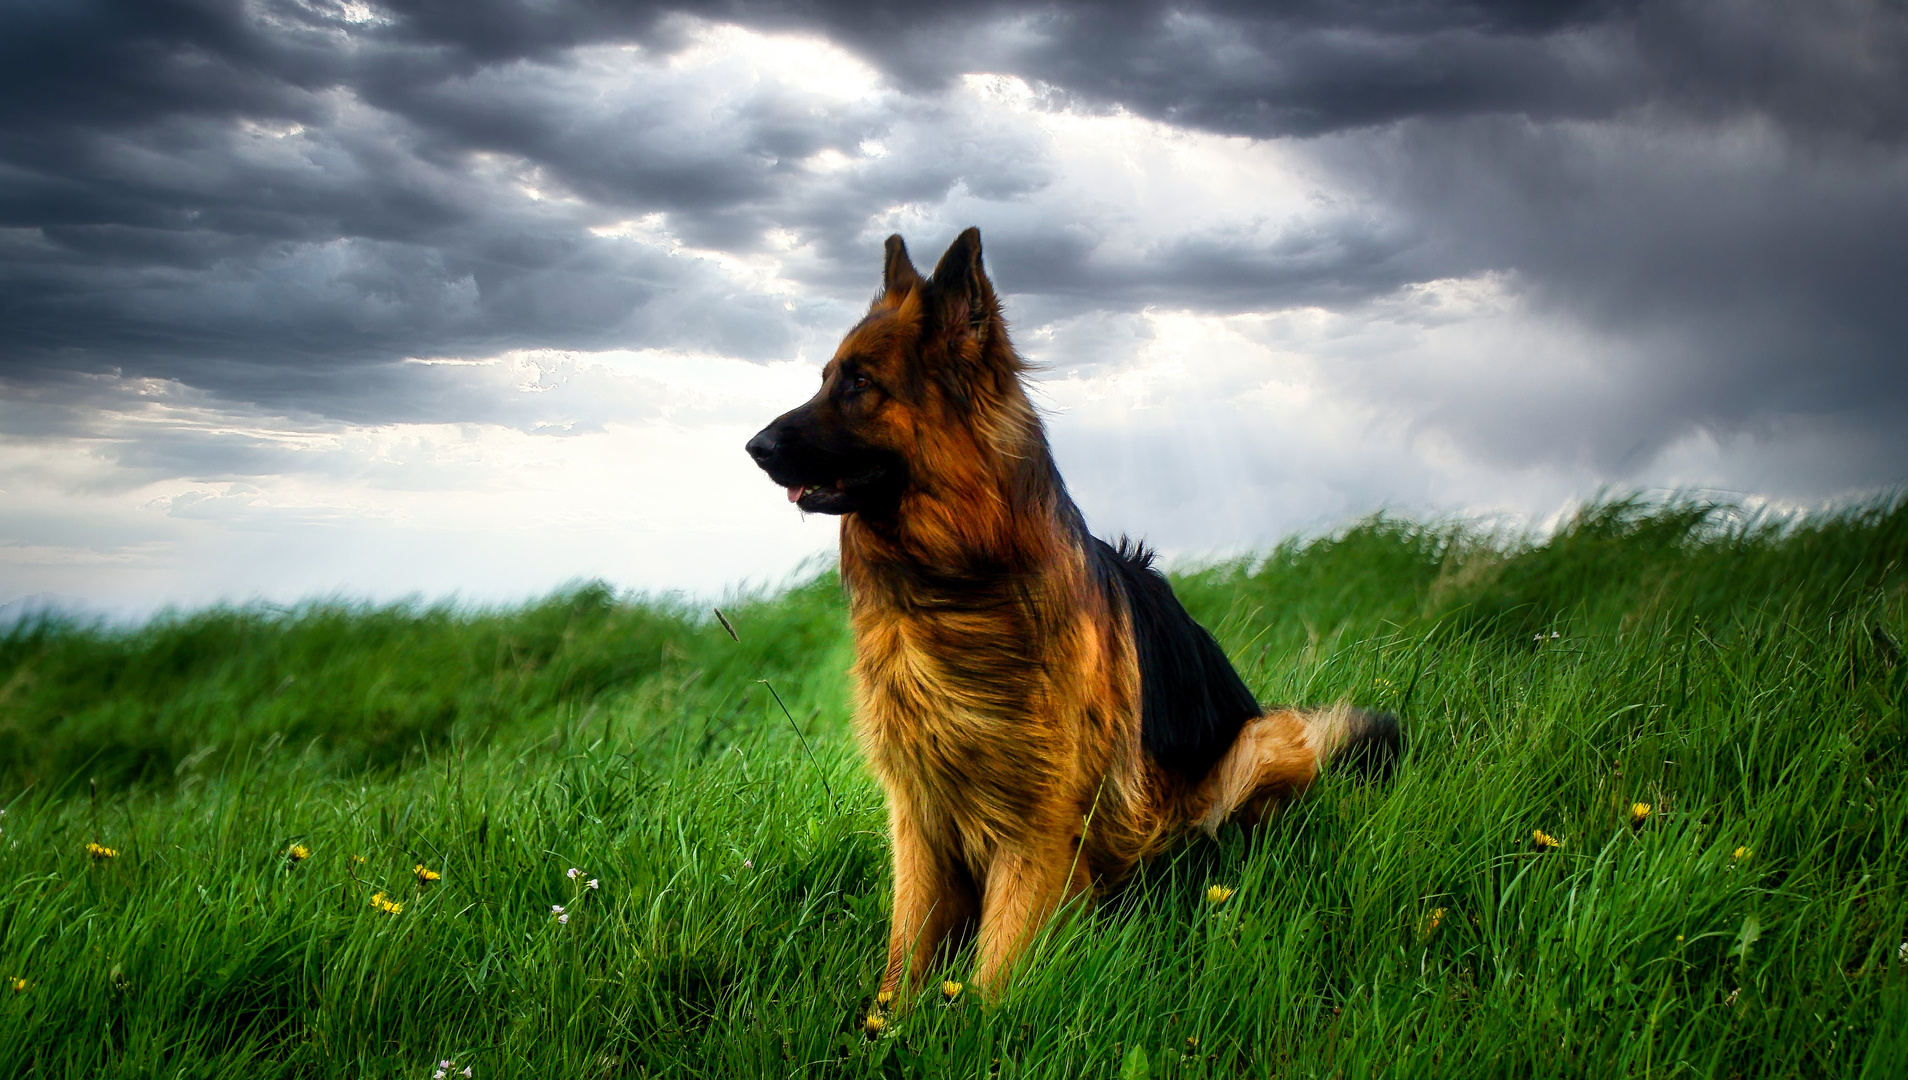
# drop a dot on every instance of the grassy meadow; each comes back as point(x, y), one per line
point(214, 826)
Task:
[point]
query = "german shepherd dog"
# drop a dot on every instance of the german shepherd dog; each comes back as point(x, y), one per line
point(1042, 713)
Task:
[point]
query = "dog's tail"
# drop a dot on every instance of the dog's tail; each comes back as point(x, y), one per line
point(1279, 754)
point(1364, 743)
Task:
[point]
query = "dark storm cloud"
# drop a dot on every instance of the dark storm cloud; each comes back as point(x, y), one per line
point(1745, 275)
point(1326, 260)
point(279, 201)
point(274, 209)
point(1301, 68)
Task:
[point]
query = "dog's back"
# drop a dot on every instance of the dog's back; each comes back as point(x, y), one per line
point(1192, 702)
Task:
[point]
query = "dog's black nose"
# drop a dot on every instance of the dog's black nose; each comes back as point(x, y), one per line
point(762, 447)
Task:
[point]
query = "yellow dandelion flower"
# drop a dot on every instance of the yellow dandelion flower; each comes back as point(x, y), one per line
point(950, 990)
point(101, 851)
point(1543, 841)
point(1741, 853)
point(884, 997)
point(873, 1025)
point(298, 853)
point(425, 875)
point(1192, 1043)
point(357, 860)
point(1639, 811)
point(17, 985)
point(1434, 920)
point(384, 904)
point(1219, 894)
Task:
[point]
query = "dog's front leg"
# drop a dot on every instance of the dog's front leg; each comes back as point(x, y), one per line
point(934, 899)
point(1026, 884)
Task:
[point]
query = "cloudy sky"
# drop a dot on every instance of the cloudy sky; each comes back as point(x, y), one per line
point(474, 297)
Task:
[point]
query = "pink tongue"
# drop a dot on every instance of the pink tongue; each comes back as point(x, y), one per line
point(794, 493)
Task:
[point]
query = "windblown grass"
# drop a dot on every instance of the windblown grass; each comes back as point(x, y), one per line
point(1742, 677)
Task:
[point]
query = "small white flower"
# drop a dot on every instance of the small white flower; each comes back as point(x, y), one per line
point(556, 909)
point(1903, 953)
point(564, 918)
point(438, 1075)
point(573, 873)
point(444, 1064)
point(748, 864)
point(592, 883)
point(466, 1070)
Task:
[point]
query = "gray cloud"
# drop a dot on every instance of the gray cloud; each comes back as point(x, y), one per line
point(1332, 65)
point(1747, 277)
point(277, 203)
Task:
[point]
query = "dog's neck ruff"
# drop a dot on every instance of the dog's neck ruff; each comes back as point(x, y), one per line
point(981, 540)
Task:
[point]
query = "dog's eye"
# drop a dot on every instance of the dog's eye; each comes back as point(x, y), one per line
point(859, 382)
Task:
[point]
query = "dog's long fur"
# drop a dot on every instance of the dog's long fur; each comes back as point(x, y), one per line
point(1041, 711)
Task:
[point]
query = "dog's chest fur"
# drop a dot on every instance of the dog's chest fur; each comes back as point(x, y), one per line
point(972, 710)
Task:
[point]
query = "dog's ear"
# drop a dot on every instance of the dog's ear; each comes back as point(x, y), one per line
point(964, 305)
point(898, 275)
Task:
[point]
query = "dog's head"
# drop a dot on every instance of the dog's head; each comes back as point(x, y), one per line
point(915, 392)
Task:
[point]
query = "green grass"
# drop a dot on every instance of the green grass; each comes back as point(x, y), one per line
point(1741, 675)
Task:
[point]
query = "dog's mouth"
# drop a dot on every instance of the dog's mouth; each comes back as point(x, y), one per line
point(839, 496)
point(830, 471)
